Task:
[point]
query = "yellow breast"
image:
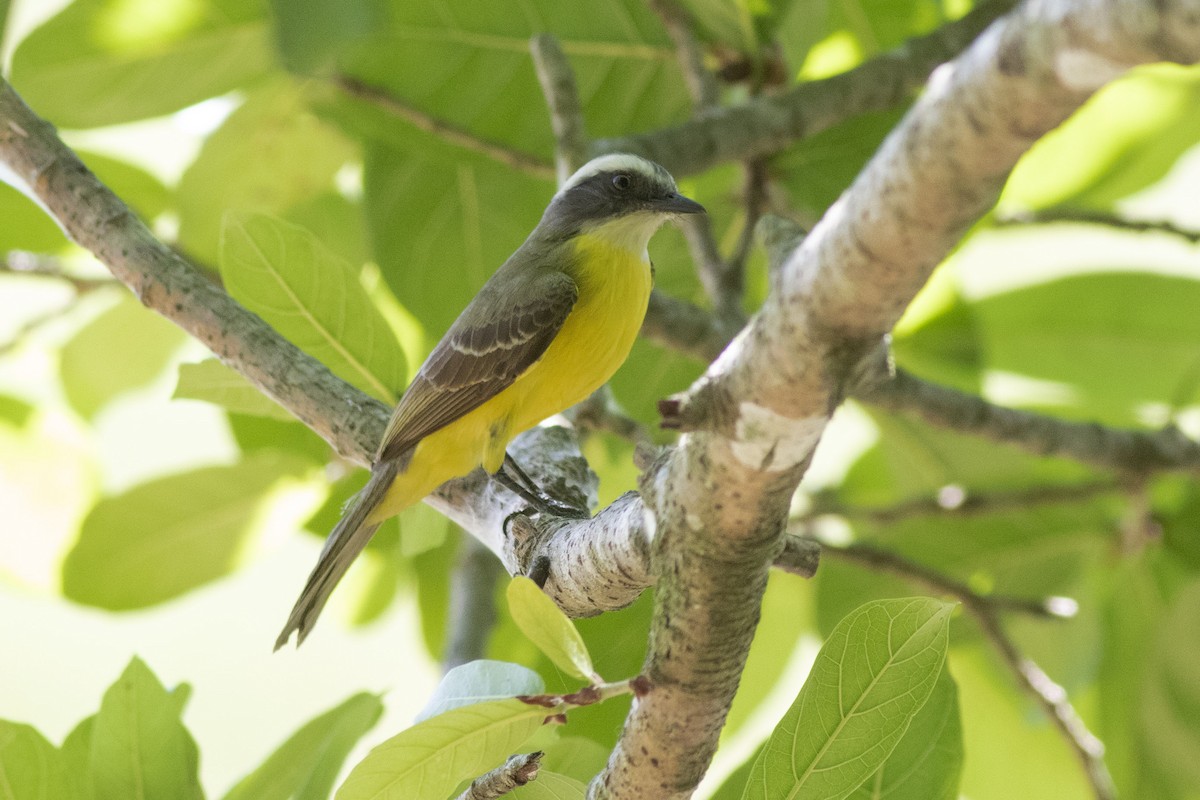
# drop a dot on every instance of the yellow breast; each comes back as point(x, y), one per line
point(614, 288)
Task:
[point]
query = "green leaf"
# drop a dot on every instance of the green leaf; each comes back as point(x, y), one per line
point(213, 382)
point(875, 672)
point(286, 276)
point(431, 758)
point(1126, 138)
point(1170, 698)
point(927, 761)
point(77, 756)
point(1139, 325)
point(162, 538)
point(30, 767)
point(312, 34)
point(441, 222)
point(575, 757)
point(101, 62)
point(480, 682)
point(25, 226)
point(468, 64)
point(124, 348)
point(270, 155)
point(305, 766)
point(548, 627)
point(139, 746)
point(550, 786)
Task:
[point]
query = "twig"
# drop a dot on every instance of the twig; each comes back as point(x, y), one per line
point(955, 501)
point(472, 610)
point(1051, 216)
point(769, 124)
point(939, 583)
point(599, 412)
point(721, 280)
point(1053, 700)
point(562, 98)
point(701, 83)
point(801, 556)
point(512, 774)
point(393, 105)
point(20, 262)
point(1122, 449)
point(754, 198)
point(685, 328)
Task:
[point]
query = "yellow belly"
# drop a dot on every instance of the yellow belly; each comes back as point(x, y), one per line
point(614, 288)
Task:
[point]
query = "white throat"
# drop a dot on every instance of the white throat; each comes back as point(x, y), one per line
point(629, 232)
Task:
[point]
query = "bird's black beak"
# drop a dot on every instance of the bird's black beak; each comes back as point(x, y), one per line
point(676, 203)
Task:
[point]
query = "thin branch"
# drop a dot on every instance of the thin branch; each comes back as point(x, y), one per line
point(1053, 700)
point(801, 556)
point(766, 125)
point(938, 583)
point(955, 501)
point(1083, 216)
point(562, 98)
point(386, 101)
point(512, 774)
point(1122, 449)
point(599, 412)
point(471, 614)
point(721, 280)
point(685, 328)
point(20, 262)
point(754, 198)
point(701, 83)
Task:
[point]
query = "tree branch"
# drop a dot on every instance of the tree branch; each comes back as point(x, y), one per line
point(1083, 216)
point(719, 500)
point(1053, 700)
point(472, 609)
point(512, 774)
point(562, 98)
point(767, 125)
point(1121, 449)
point(701, 83)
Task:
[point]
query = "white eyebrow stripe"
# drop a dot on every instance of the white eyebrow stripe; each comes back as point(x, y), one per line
point(615, 162)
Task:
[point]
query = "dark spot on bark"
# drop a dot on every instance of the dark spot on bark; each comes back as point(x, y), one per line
point(1012, 57)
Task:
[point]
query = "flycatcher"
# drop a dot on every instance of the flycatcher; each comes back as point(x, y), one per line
point(548, 328)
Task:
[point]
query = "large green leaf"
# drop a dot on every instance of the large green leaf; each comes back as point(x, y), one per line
point(469, 64)
point(25, 226)
point(873, 675)
point(270, 155)
point(480, 682)
point(162, 538)
point(927, 761)
point(100, 62)
point(1082, 331)
point(123, 349)
point(1170, 699)
point(440, 225)
point(30, 767)
point(139, 746)
point(282, 273)
point(213, 382)
point(312, 34)
point(431, 758)
point(1126, 138)
point(305, 766)
point(548, 627)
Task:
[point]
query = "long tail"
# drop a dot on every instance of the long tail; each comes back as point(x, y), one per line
point(347, 540)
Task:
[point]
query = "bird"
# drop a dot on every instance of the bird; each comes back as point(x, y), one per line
point(547, 329)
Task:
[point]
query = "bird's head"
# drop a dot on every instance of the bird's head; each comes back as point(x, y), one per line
point(622, 198)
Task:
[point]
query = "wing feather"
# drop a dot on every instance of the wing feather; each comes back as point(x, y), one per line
point(480, 356)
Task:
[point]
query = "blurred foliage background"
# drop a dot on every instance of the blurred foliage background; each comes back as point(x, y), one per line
point(152, 504)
